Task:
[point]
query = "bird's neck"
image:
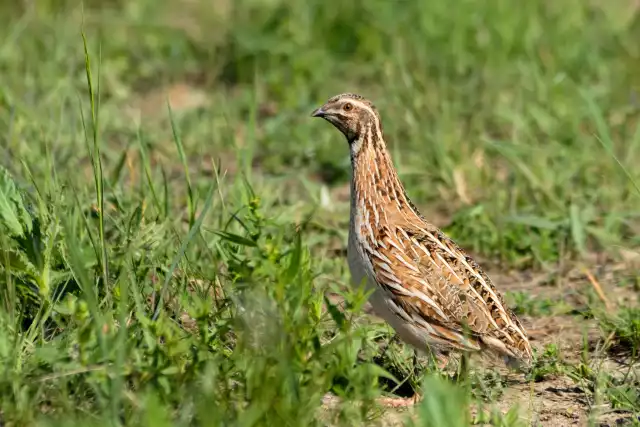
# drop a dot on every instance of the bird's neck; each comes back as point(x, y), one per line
point(375, 181)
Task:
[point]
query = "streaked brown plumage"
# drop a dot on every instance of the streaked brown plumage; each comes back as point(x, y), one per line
point(431, 292)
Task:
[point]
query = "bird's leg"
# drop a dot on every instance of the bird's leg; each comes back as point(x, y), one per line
point(463, 368)
point(443, 360)
point(399, 402)
point(395, 402)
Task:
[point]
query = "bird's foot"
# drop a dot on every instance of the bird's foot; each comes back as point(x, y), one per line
point(399, 402)
point(442, 361)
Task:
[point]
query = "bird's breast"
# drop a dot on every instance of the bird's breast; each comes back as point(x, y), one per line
point(357, 261)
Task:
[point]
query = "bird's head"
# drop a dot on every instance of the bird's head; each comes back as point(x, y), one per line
point(352, 114)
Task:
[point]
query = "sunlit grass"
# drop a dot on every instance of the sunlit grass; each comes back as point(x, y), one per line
point(182, 262)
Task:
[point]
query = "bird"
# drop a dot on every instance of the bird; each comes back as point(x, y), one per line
point(425, 286)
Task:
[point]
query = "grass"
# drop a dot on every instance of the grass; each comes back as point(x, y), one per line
point(173, 224)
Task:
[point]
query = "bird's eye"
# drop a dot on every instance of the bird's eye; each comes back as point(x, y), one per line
point(348, 106)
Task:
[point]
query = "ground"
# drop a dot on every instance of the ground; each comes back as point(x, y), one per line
point(187, 265)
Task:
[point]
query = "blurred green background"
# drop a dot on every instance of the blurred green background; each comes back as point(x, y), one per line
point(514, 126)
point(513, 112)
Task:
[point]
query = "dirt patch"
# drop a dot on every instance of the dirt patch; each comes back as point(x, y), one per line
point(559, 400)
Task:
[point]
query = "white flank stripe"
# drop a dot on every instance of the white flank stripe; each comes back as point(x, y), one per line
point(402, 260)
point(450, 268)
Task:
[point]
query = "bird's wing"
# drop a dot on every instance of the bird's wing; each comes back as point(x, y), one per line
point(439, 288)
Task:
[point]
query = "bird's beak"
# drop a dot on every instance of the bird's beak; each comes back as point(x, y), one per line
point(319, 112)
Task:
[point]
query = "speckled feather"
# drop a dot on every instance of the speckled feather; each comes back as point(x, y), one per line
point(426, 286)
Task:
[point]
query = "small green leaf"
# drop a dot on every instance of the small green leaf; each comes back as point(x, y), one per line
point(379, 371)
point(294, 263)
point(533, 221)
point(13, 214)
point(578, 233)
point(336, 314)
point(234, 238)
point(444, 404)
point(171, 370)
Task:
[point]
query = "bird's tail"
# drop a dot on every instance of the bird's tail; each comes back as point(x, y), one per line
point(512, 358)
